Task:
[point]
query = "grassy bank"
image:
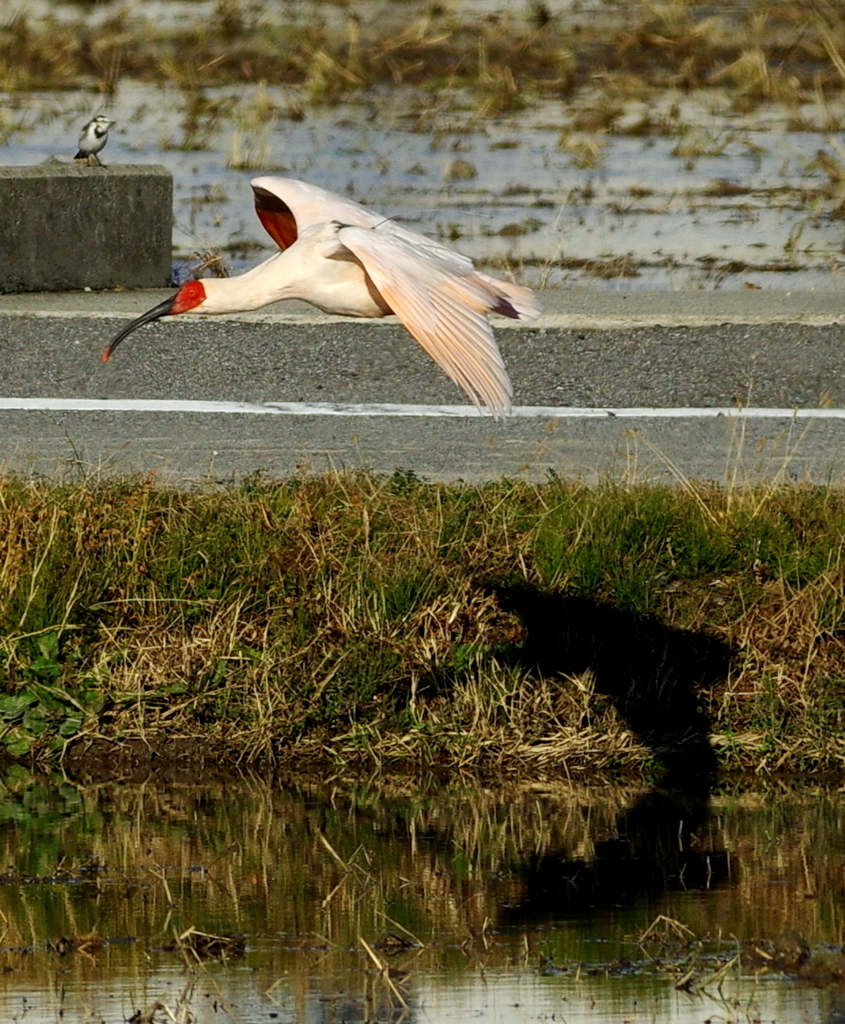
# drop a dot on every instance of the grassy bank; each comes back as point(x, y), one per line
point(394, 622)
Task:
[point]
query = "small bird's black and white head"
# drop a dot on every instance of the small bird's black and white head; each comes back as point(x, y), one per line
point(93, 137)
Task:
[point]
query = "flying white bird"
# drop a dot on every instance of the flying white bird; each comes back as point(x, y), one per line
point(93, 137)
point(345, 259)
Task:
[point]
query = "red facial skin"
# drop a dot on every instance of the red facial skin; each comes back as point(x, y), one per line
point(189, 296)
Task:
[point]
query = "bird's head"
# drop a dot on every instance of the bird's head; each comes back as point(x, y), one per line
point(190, 296)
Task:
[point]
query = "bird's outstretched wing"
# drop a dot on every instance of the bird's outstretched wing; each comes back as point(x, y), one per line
point(286, 207)
point(443, 302)
point(506, 298)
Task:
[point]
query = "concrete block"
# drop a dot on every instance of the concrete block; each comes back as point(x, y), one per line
point(70, 226)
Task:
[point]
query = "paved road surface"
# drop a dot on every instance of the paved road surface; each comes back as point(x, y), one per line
point(644, 386)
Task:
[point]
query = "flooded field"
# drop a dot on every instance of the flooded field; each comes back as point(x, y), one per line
point(716, 200)
point(442, 902)
point(629, 178)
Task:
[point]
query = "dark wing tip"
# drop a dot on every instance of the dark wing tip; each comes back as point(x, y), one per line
point(504, 308)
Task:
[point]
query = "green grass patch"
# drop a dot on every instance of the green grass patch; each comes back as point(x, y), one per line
point(384, 619)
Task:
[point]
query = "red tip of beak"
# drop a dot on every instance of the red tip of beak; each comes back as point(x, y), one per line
point(106, 356)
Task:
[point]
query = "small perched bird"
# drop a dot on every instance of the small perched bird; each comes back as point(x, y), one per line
point(347, 259)
point(93, 137)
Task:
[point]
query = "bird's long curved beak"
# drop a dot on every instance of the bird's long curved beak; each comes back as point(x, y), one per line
point(156, 313)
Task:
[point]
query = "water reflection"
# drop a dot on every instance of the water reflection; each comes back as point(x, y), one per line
point(504, 901)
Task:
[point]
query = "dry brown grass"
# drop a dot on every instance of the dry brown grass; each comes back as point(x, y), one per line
point(389, 621)
point(759, 52)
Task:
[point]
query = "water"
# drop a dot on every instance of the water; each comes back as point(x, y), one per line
point(712, 199)
point(507, 902)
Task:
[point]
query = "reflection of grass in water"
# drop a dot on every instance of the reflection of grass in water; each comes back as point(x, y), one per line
point(252, 860)
point(367, 618)
point(316, 867)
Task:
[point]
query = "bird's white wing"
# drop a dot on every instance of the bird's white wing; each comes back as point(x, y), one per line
point(502, 297)
point(287, 207)
point(443, 302)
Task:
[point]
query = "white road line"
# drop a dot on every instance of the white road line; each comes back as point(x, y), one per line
point(383, 410)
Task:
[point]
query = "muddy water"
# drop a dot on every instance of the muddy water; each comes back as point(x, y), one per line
point(683, 192)
point(508, 904)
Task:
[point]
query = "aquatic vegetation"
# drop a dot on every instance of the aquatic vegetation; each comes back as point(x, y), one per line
point(589, 101)
point(195, 946)
point(755, 51)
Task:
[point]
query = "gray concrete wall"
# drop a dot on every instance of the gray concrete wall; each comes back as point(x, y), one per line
point(70, 226)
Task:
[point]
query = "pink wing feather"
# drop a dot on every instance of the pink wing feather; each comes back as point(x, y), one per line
point(443, 302)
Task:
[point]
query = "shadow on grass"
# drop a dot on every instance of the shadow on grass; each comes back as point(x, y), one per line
point(651, 673)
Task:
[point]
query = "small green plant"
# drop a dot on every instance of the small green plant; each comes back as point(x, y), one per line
point(43, 714)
